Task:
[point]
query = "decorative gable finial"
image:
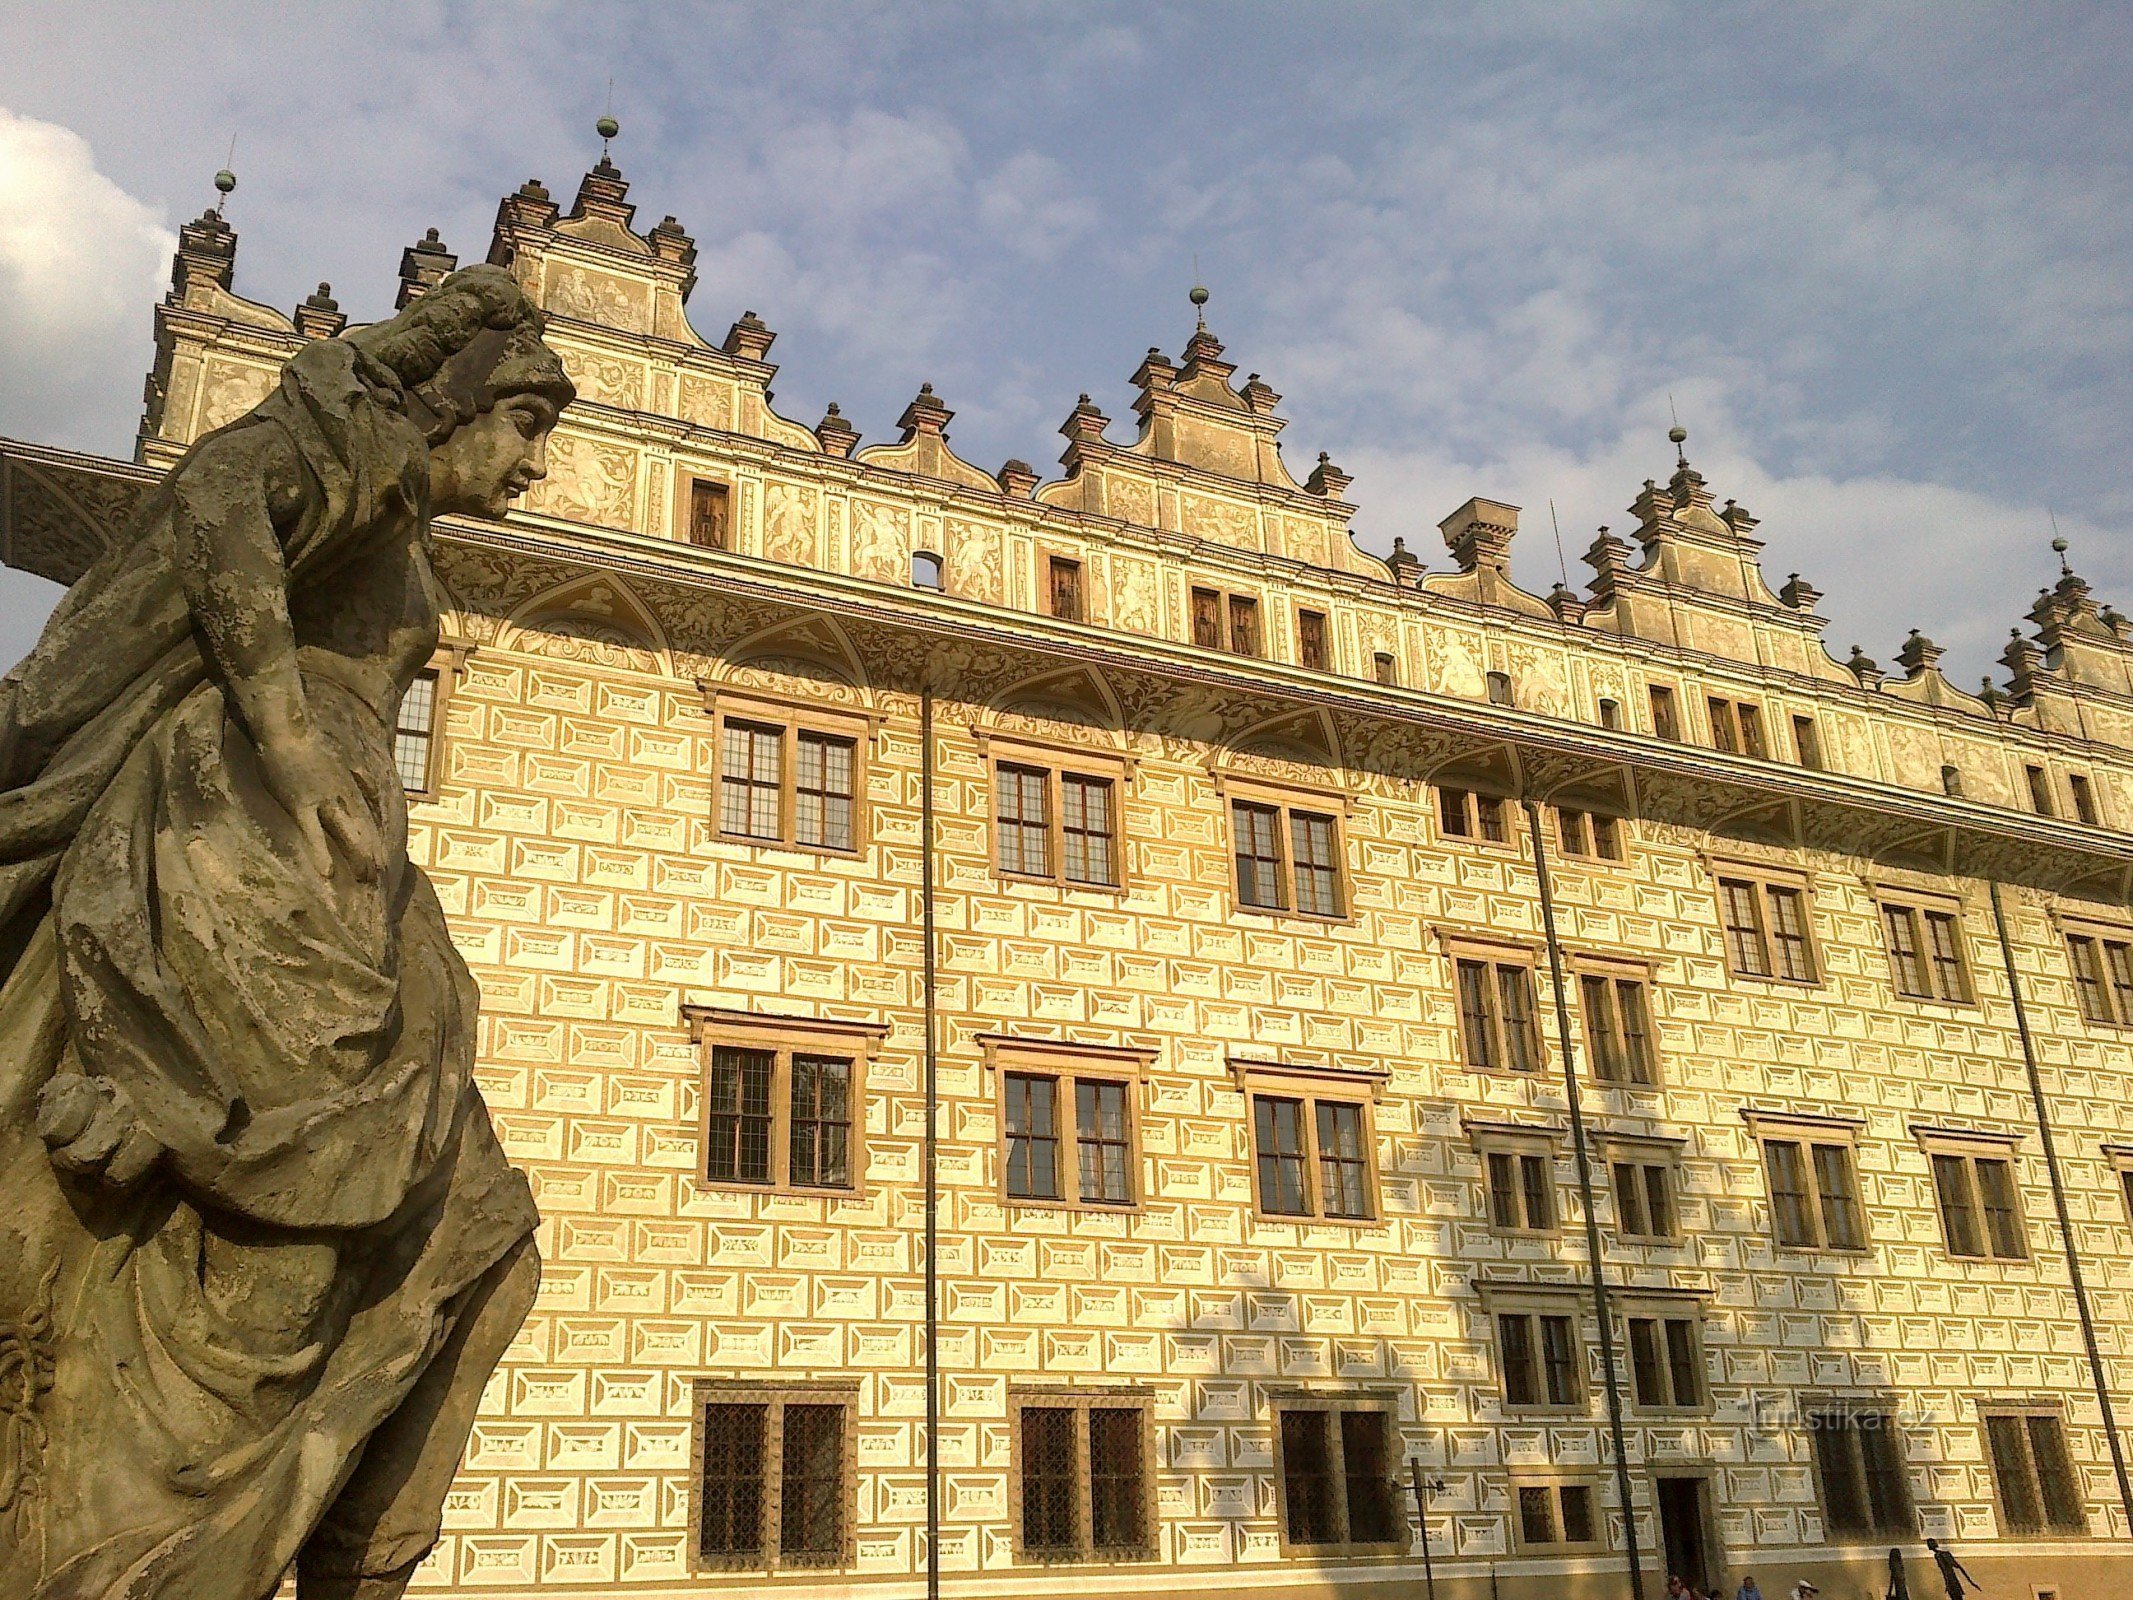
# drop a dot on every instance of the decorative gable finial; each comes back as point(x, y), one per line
point(1198, 295)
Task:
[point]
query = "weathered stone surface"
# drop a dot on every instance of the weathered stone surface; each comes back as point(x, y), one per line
point(259, 1247)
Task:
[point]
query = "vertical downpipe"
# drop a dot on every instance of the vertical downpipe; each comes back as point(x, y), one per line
point(932, 1151)
point(1592, 1210)
point(2066, 1224)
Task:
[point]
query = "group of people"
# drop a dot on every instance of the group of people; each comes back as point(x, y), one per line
point(1953, 1575)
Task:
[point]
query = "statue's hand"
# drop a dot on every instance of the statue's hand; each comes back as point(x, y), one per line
point(91, 1129)
point(317, 794)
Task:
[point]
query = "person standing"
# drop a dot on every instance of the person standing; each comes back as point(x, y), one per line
point(1747, 1589)
point(1899, 1586)
point(1952, 1572)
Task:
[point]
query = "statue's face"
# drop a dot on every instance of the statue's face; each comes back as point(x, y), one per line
point(486, 463)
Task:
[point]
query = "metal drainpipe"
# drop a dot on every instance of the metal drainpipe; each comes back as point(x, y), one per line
point(1592, 1210)
point(932, 1152)
point(2066, 1225)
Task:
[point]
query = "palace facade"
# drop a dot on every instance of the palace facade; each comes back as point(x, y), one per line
point(1086, 1031)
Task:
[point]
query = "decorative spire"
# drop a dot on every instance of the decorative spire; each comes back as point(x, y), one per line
point(1865, 668)
point(925, 414)
point(1199, 297)
point(1678, 437)
point(423, 265)
point(320, 316)
point(836, 436)
point(750, 338)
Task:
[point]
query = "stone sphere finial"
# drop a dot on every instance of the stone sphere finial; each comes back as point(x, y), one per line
point(225, 181)
point(607, 127)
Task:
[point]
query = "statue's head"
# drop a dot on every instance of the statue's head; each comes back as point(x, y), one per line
point(480, 383)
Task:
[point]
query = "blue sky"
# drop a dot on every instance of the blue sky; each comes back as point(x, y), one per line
point(1881, 258)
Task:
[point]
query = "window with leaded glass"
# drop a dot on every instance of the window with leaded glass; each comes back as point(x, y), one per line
point(773, 1482)
point(1023, 820)
point(1518, 1176)
point(1497, 1025)
point(822, 791)
point(787, 783)
point(1644, 1185)
point(1287, 858)
point(1765, 927)
point(1540, 1358)
point(2033, 1474)
point(1590, 835)
point(1666, 1362)
point(1471, 814)
point(752, 782)
point(1052, 822)
point(1083, 1479)
point(415, 733)
point(1866, 1493)
point(1814, 1194)
point(781, 1101)
point(1980, 1214)
point(1556, 1517)
point(1311, 1156)
point(2103, 977)
point(1312, 848)
point(1338, 1485)
point(1925, 953)
point(1618, 1029)
point(1068, 1138)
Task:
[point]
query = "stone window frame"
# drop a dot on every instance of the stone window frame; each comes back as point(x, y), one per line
point(783, 1036)
point(1736, 725)
point(2119, 1158)
point(1519, 1140)
point(1764, 877)
point(446, 666)
point(1068, 1062)
point(1046, 555)
point(1462, 947)
point(1226, 595)
point(2014, 1406)
point(1656, 695)
point(1385, 1402)
point(1921, 904)
point(1473, 810)
point(1081, 1399)
point(1057, 758)
point(706, 1391)
point(1255, 1078)
point(2087, 798)
point(686, 476)
point(792, 715)
point(1592, 1480)
point(1590, 820)
point(1807, 742)
point(1324, 619)
point(1640, 1303)
point(2102, 935)
point(1807, 1130)
point(1615, 971)
point(1969, 1146)
point(1334, 804)
point(1537, 1300)
point(1853, 1405)
point(1645, 1151)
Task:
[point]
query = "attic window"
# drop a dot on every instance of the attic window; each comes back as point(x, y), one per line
point(709, 520)
point(1063, 588)
point(1311, 652)
point(1384, 668)
point(926, 571)
point(1665, 724)
point(1610, 713)
point(1951, 781)
point(1808, 742)
point(1225, 622)
point(2040, 792)
point(2084, 798)
point(1500, 689)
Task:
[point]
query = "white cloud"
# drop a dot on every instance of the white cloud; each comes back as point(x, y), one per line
point(81, 262)
point(1030, 205)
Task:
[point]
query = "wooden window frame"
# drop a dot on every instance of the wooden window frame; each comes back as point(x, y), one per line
point(2025, 1410)
point(712, 1027)
point(1970, 1146)
point(1311, 1085)
point(1520, 1143)
point(1737, 727)
point(446, 665)
point(1884, 1415)
point(2102, 938)
point(1686, 1307)
point(1465, 949)
point(1046, 558)
point(1642, 1154)
point(1332, 1406)
point(1591, 827)
point(1920, 908)
point(1536, 1301)
point(1555, 1482)
point(1068, 1063)
point(1385, 669)
point(1764, 880)
point(792, 717)
point(774, 1396)
point(1058, 762)
point(1806, 1131)
point(1324, 627)
point(1226, 600)
point(1807, 741)
point(1584, 969)
point(686, 478)
point(1080, 1401)
point(1473, 804)
point(1284, 799)
point(1663, 703)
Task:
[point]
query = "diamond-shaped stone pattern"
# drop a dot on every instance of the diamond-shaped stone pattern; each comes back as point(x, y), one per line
point(573, 851)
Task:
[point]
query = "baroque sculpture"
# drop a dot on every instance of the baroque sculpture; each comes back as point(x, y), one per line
point(259, 1246)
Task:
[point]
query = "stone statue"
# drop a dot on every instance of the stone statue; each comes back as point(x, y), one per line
point(259, 1246)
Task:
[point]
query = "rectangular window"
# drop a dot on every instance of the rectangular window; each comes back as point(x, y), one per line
point(1593, 835)
point(1243, 626)
point(2084, 794)
point(2033, 1474)
point(787, 784)
point(1666, 1362)
point(1055, 824)
point(1384, 668)
point(709, 515)
point(1084, 1480)
point(1313, 1157)
point(1469, 814)
point(1044, 1152)
point(1618, 1029)
point(1555, 1516)
point(1063, 589)
point(1521, 1190)
point(1808, 742)
point(1338, 1484)
point(1225, 622)
point(1766, 929)
point(1610, 714)
point(1311, 651)
point(1865, 1492)
point(773, 1487)
point(2103, 977)
point(1540, 1358)
point(1814, 1195)
point(751, 1092)
point(1666, 724)
point(1207, 619)
point(2040, 791)
point(1737, 727)
point(1644, 1199)
point(1286, 858)
point(1500, 694)
point(1979, 1214)
point(415, 733)
point(1925, 953)
point(1496, 1016)
point(1024, 820)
